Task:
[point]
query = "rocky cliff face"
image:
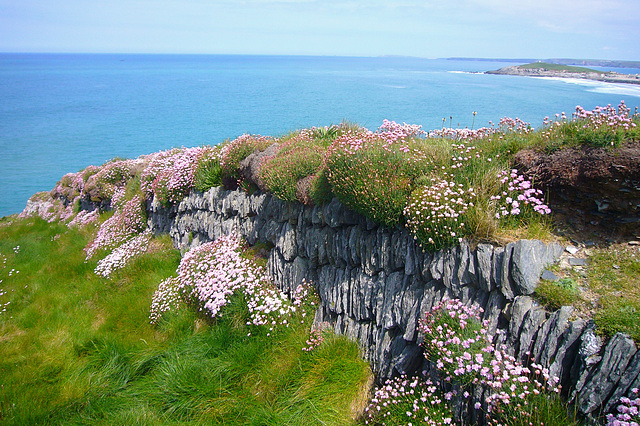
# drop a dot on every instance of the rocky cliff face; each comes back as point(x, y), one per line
point(375, 283)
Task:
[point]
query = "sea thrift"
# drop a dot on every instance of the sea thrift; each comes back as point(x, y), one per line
point(234, 152)
point(457, 342)
point(166, 298)
point(208, 275)
point(121, 256)
point(317, 336)
point(409, 401)
point(518, 196)
point(122, 226)
point(372, 173)
point(628, 411)
point(435, 214)
point(84, 218)
point(170, 175)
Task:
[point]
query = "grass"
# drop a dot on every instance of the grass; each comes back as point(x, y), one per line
point(555, 295)
point(607, 289)
point(558, 67)
point(614, 275)
point(78, 349)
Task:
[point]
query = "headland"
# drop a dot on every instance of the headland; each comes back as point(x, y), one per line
point(544, 69)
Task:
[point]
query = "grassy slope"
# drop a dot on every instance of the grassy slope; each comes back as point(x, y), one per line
point(78, 349)
point(557, 67)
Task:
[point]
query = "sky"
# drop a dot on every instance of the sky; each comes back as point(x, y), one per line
point(589, 29)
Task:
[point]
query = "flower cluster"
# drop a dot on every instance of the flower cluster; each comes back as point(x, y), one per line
point(514, 125)
point(44, 206)
point(394, 133)
point(122, 226)
point(317, 336)
point(103, 182)
point(170, 175)
point(435, 214)
point(166, 298)
point(518, 196)
point(3, 306)
point(605, 117)
point(458, 346)
point(267, 305)
point(628, 411)
point(84, 218)
point(601, 127)
point(122, 255)
point(409, 401)
point(372, 173)
point(456, 341)
point(210, 274)
point(456, 134)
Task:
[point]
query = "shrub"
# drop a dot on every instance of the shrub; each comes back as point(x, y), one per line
point(402, 401)
point(372, 173)
point(208, 172)
point(297, 158)
point(123, 254)
point(232, 154)
point(110, 177)
point(458, 346)
point(456, 341)
point(319, 188)
point(210, 274)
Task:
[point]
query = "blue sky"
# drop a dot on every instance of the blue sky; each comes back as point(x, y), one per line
point(429, 28)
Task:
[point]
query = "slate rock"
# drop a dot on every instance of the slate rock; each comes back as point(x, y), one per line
point(528, 259)
point(484, 254)
point(599, 386)
point(549, 276)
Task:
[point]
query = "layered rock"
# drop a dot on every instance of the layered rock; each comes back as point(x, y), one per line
point(376, 282)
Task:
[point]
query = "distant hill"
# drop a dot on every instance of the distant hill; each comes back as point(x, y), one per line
point(557, 67)
point(580, 62)
point(545, 69)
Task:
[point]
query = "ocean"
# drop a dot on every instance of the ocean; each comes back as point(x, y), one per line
point(62, 112)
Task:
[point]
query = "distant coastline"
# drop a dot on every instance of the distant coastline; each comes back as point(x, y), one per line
point(543, 69)
point(580, 62)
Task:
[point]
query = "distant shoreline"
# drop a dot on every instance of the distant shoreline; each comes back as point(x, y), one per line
point(569, 72)
point(579, 62)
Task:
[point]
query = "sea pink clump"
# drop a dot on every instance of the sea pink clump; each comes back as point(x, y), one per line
point(170, 175)
point(208, 275)
point(518, 196)
point(435, 214)
point(123, 254)
point(628, 411)
point(122, 226)
point(409, 401)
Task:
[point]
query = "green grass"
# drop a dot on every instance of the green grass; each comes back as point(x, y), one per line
point(555, 295)
point(558, 67)
point(615, 276)
point(79, 349)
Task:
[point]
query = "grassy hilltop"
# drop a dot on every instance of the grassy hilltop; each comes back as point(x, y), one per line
point(103, 323)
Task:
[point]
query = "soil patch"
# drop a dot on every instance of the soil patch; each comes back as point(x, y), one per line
point(594, 193)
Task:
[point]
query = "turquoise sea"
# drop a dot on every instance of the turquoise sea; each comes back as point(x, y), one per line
point(60, 113)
